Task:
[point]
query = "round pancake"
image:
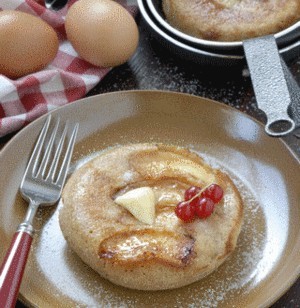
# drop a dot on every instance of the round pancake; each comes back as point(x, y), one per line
point(231, 20)
point(166, 254)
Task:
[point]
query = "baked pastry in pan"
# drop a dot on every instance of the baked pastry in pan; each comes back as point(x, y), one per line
point(151, 251)
point(231, 20)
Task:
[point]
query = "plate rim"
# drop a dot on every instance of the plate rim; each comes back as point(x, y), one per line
point(164, 92)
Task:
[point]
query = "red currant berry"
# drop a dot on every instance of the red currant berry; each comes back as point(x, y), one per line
point(194, 203)
point(191, 192)
point(204, 208)
point(213, 192)
point(184, 211)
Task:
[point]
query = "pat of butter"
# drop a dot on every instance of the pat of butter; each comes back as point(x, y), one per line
point(140, 202)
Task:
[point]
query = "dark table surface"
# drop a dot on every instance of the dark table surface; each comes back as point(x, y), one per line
point(154, 67)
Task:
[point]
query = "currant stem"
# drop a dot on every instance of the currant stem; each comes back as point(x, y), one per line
point(199, 193)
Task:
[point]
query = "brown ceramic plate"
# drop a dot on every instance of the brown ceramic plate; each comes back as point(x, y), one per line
point(266, 261)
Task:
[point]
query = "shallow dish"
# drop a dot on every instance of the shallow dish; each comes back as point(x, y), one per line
point(269, 74)
point(283, 38)
point(200, 53)
point(266, 261)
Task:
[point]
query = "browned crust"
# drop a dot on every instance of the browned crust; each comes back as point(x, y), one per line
point(244, 19)
point(154, 252)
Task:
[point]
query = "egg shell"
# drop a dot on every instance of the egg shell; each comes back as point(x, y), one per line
point(28, 43)
point(102, 32)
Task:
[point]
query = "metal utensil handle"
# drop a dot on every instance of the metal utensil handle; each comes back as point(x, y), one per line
point(269, 83)
point(294, 90)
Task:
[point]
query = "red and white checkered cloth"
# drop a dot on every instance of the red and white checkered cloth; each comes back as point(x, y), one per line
point(65, 80)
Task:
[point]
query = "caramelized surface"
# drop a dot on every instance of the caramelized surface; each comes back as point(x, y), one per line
point(231, 20)
point(140, 246)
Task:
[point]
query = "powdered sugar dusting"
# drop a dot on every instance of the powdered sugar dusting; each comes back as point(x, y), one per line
point(127, 176)
point(84, 287)
point(238, 273)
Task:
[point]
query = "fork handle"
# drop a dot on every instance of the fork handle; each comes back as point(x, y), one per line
point(13, 266)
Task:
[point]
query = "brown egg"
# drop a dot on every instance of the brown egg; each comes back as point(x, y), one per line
point(27, 45)
point(102, 32)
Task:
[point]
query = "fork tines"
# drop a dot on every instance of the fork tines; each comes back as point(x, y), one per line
point(47, 162)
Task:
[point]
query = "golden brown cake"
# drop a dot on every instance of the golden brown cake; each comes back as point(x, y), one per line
point(165, 253)
point(231, 20)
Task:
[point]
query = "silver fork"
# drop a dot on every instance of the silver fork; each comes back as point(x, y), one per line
point(42, 184)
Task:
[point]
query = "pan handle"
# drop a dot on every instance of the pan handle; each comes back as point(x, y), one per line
point(269, 83)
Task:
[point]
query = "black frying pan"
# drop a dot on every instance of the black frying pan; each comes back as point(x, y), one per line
point(272, 82)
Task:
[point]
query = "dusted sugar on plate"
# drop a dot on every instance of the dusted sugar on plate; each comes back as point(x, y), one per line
point(151, 216)
point(231, 20)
